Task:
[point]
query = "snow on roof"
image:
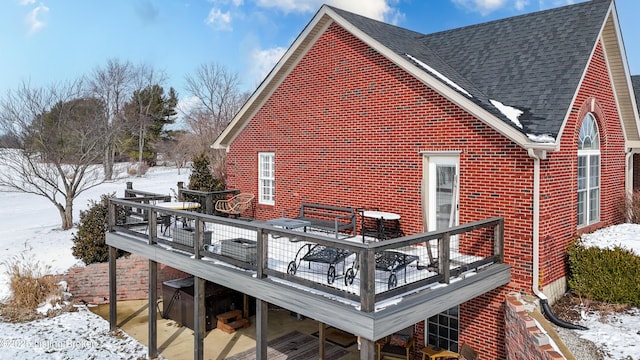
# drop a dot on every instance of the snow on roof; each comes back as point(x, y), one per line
point(509, 111)
point(438, 74)
point(544, 138)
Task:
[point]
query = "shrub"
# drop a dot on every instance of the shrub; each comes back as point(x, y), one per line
point(30, 286)
point(89, 243)
point(631, 208)
point(201, 177)
point(604, 274)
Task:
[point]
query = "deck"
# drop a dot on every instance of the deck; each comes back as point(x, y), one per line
point(370, 289)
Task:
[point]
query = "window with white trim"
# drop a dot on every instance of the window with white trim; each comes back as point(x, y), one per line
point(588, 172)
point(266, 178)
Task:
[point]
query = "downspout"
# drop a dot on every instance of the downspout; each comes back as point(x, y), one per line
point(546, 309)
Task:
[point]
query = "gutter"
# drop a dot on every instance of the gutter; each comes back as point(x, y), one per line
point(544, 304)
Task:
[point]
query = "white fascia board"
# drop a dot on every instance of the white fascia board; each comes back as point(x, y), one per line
point(627, 73)
point(275, 77)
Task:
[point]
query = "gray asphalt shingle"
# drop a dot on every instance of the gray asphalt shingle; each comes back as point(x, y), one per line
point(533, 62)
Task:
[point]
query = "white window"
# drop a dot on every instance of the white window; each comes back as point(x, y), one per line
point(266, 178)
point(588, 172)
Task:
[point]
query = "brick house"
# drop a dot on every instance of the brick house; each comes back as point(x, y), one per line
point(531, 118)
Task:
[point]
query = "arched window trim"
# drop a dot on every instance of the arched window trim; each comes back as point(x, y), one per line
point(588, 172)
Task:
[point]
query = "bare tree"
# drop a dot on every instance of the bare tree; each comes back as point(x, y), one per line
point(113, 85)
point(56, 145)
point(178, 149)
point(219, 98)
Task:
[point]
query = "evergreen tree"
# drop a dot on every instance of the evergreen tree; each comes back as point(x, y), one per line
point(201, 177)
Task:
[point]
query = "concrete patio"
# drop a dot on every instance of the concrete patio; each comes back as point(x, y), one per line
point(175, 342)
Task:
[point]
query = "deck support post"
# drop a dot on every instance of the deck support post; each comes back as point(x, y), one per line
point(322, 334)
point(153, 313)
point(113, 297)
point(262, 307)
point(367, 349)
point(198, 318)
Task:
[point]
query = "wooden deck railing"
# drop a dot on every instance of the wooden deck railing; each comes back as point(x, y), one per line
point(363, 272)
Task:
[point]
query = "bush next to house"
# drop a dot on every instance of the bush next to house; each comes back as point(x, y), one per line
point(89, 242)
point(609, 275)
point(201, 177)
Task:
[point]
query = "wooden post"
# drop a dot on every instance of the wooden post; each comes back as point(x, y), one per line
point(367, 349)
point(322, 334)
point(198, 238)
point(113, 311)
point(498, 240)
point(198, 318)
point(261, 306)
point(261, 329)
point(208, 204)
point(367, 280)
point(153, 313)
point(444, 256)
point(180, 187)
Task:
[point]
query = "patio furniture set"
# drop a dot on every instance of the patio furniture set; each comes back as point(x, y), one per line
point(377, 224)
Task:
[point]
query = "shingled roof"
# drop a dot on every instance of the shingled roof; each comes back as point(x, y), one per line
point(635, 83)
point(532, 62)
point(518, 75)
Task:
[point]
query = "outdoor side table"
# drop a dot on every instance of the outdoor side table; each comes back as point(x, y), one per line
point(379, 230)
point(431, 353)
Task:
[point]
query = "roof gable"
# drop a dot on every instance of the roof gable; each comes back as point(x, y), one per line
point(519, 75)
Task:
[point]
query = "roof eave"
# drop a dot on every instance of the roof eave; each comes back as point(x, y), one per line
point(283, 67)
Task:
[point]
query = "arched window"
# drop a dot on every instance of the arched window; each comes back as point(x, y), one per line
point(588, 172)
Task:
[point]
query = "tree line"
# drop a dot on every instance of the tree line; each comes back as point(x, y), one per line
point(60, 140)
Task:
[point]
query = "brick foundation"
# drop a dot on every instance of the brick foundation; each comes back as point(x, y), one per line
point(524, 340)
point(91, 283)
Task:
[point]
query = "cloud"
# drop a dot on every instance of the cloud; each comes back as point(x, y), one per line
point(27, 2)
point(219, 20)
point(263, 60)
point(33, 18)
point(375, 9)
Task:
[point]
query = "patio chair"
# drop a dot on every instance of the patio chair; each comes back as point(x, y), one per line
point(398, 345)
point(235, 205)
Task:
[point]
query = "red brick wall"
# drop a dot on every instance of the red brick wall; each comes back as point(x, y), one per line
point(524, 340)
point(558, 209)
point(348, 127)
point(91, 283)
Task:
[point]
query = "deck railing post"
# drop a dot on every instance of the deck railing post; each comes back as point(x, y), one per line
point(444, 256)
point(367, 263)
point(180, 187)
point(153, 226)
point(198, 238)
point(498, 240)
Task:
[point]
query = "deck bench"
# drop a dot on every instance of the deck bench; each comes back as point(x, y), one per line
point(328, 218)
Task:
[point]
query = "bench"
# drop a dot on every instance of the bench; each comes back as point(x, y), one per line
point(328, 218)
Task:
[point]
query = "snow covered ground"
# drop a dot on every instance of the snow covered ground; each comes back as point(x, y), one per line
point(30, 226)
